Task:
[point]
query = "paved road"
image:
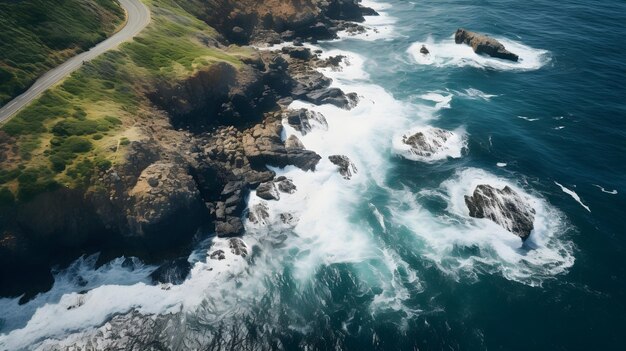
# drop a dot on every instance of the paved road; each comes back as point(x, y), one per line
point(138, 17)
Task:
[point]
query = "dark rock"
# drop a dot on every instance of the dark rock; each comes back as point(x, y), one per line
point(217, 255)
point(483, 44)
point(267, 191)
point(287, 186)
point(504, 207)
point(263, 146)
point(238, 247)
point(229, 227)
point(258, 213)
point(173, 272)
point(424, 50)
point(303, 120)
point(300, 53)
point(333, 96)
point(427, 145)
point(346, 167)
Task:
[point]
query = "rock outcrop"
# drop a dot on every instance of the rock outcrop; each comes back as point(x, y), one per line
point(483, 44)
point(304, 120)
point(263, 146)
point(502, 206)
point(426, 144)
point(346, 168)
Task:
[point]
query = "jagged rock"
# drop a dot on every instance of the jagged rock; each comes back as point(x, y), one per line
point(263, 146)
point(230, 226)
point(427, 143)
point(333, 96)
point(303, 120)
point(294, 143)
point(286, 186)
point(173, 272)
point(424, 50)
point(258, 213)
point(504, 207)
point(238, 247)
point(267, 191)
point(483, 44)
point(217, 255)
point(346, 167)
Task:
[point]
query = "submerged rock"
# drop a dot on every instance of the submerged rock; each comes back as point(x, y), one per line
point(346, 167)
point(504, 207)
point(483, 44)
point(426, 144)
point(238, 247)
point(258, 213)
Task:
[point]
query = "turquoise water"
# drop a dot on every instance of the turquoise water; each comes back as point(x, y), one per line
point(390, 259)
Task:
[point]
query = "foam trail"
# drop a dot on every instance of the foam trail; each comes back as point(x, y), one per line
point(529, 119)
point(474, 94)
point(573, 195)
point(448, 53)
point(612, 192)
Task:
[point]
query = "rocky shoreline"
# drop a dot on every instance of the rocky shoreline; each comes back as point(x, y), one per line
point(206, 145)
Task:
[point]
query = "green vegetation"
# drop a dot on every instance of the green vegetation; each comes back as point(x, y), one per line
point(37, 35)
point(84, 125)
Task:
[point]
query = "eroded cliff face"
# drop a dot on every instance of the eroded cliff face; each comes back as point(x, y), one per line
point(200, 148)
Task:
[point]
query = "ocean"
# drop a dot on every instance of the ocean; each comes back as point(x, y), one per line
point(390, 259)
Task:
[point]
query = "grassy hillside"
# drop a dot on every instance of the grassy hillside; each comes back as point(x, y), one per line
point(36, 35)
point(85, 123)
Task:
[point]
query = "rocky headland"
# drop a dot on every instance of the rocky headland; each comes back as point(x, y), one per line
point(202, 146)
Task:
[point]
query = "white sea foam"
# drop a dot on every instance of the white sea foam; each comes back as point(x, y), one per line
point(573, 195)
point(467, 247)
point(475, 94)
point(612, 192)
point(529, 119)
point(448, 53)
point(501, 164)
point(453, 146)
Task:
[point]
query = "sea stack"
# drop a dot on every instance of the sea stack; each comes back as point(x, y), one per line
point(483, 44)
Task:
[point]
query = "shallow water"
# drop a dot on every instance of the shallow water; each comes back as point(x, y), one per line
point(390, 259)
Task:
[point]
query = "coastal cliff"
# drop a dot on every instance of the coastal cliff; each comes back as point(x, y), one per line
point(185, 151)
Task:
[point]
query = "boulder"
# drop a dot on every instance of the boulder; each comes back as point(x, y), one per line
point(502, 206)
point(286, 186)
point(294, 143)
point(484, 45)
point(228, 227)
point(346, 167)
point(424, 50)
point(267, 191)
point(304, 120)
point(263, 146)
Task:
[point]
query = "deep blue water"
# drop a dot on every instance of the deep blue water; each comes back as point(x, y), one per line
point(584, 83)
point(422, 274)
